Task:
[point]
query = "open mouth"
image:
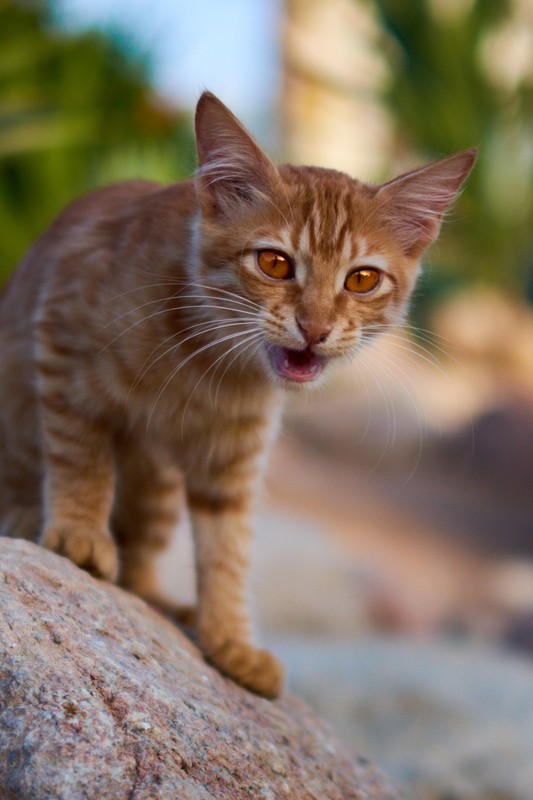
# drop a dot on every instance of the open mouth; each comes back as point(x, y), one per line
point(296, 365)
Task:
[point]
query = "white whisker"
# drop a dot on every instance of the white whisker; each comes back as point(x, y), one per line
point(394, 370)
point(251, 337)
point(202, 306)
point(139, 289)
point(207, 328)
point(252, 340)
point(183, 363)
point(246, 300)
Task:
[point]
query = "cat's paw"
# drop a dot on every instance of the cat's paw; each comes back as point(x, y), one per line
point(256, 670)
point(94, 551)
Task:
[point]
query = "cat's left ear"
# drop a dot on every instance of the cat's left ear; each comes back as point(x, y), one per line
point(233, 171)
point(415, 203)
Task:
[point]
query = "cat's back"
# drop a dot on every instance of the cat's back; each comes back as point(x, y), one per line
point(90, 223)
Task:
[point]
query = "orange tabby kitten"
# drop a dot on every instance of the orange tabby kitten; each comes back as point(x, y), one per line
point(147, 338)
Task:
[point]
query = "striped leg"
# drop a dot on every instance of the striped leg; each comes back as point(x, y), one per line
point(78, 488)
point(222, 532)
point(148, 501)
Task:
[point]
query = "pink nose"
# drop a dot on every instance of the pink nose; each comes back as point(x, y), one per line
point(314, 331)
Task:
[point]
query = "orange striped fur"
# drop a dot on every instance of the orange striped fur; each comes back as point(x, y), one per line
point(144, 355)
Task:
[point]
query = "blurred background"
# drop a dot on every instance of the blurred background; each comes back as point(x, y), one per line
point(400, 498)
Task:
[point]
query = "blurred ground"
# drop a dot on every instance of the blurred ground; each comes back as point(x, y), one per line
point(446, 721)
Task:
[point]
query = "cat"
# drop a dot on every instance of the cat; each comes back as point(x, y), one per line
point(148, 336)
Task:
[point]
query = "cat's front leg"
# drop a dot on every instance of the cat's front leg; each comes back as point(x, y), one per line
point(222, 534)
point(78, 487)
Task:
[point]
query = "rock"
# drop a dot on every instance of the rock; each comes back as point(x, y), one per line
point(101, 697)
point(447, 721)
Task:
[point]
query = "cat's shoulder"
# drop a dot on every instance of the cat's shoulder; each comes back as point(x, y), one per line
point(115, 197)
point(110, 207)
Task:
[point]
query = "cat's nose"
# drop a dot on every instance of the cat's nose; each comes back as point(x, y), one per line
point(314, 331)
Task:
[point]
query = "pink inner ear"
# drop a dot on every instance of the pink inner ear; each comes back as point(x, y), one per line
point(415, 203)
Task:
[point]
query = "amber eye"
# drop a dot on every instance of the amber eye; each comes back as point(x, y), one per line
point(274, 265)
point(362, 280)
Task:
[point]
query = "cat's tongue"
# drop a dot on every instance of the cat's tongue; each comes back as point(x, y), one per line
point(296, 365)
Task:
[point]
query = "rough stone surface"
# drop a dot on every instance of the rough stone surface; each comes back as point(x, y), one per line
point(101, 697)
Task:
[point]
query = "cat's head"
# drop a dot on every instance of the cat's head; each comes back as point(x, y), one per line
point(305, 263)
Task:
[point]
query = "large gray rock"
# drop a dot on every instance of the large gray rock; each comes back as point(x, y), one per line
point(101, 697)
point(447, 721)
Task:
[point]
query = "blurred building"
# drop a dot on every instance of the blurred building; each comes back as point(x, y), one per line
point(333, 72)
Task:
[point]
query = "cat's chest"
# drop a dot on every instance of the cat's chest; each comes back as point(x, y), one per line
point(206, 428)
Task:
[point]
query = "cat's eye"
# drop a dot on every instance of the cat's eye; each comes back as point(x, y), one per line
point(275, 265)
point(363, 280)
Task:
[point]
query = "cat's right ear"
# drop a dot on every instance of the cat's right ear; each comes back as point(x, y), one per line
point(233, 171)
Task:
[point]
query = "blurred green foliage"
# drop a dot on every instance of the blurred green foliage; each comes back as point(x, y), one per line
point(76, 111)
point(446, 94)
